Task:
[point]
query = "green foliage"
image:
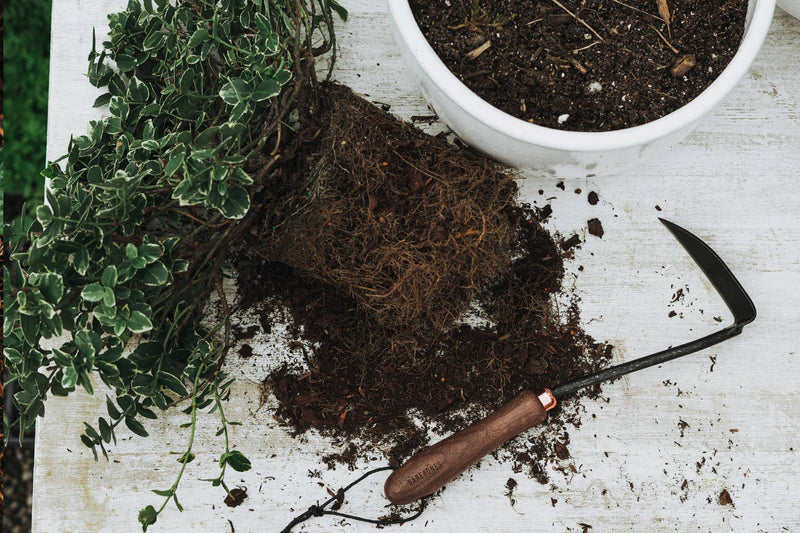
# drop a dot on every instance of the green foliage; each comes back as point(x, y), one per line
point(116, 268)
point(236, 460)
point(147, 517)
point(2, 177)
point(27, 30)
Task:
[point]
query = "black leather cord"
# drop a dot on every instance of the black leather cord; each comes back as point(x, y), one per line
point(319, 510)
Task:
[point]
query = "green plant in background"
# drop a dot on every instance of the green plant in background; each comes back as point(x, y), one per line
point(2, 177)
point(27, 41)
point(131, 243)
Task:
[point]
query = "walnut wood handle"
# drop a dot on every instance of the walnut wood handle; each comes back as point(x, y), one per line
point(433, 467)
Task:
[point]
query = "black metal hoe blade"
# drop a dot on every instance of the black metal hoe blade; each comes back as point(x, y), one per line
point(728, 287)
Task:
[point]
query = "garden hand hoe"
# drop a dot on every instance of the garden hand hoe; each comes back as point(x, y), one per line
point(433, 467)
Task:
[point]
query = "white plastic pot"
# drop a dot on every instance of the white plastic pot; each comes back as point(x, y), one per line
point(563, 153)
point(791, 6)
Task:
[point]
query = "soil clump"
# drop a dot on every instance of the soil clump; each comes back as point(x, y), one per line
point(407, 225)
point(588, 65)
point(417, 288)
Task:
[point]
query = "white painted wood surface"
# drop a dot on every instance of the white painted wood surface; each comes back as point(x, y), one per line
point(734, 182)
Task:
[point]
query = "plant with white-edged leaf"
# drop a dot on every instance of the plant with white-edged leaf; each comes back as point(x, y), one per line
point(114, 272)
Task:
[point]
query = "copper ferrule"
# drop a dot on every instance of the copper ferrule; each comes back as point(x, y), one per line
point(547, 399)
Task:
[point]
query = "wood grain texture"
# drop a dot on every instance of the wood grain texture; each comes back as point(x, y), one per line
point(734, 182)
point(431, 468)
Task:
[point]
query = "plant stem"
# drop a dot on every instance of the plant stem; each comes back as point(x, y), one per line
point(224, 423)
point(189, 446)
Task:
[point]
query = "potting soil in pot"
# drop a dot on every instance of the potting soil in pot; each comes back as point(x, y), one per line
point(402, 236)
point(588, 65)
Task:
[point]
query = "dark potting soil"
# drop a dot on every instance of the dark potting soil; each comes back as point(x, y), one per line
point(443, 226)
point(406, 224)
point(584, 65)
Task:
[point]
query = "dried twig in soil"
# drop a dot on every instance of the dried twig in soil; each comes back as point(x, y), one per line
point(682, 65)
point(576, 17)
point(479, 50)
point(663, 11)
point(642, 11)
point(674, 50)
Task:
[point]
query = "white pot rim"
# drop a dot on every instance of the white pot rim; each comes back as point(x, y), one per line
point(575, 141)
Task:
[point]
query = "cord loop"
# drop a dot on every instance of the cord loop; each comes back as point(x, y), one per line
point(316, 510)
point(319, 510)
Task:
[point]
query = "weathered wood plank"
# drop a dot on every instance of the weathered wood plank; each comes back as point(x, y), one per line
point(733, 181)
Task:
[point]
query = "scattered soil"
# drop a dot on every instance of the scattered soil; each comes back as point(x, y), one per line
point(596, 227)
point(245, 351)
point(584, 65)
point(561, 450)
point(236, 497)
point(570, 243)
point(347, 457)
point(416, 288)
point(511, 484)
point(592, 198)
point(725, 498)
point(682, 426)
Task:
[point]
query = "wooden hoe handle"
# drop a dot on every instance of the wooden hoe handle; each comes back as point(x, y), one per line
point(433, 467)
